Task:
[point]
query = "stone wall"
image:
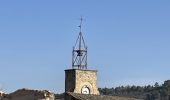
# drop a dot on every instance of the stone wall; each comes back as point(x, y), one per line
point(88, 78)
point(69, 80)
point(75, 79)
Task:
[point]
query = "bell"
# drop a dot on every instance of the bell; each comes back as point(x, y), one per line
point(79, 53)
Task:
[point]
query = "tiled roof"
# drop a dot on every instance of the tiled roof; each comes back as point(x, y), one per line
point(97, 97)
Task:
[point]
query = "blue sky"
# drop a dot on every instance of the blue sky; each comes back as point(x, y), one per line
point(128, 41)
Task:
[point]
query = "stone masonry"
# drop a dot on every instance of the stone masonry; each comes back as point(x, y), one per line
point(75, 79)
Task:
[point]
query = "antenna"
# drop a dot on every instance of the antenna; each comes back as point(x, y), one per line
point(79, 53)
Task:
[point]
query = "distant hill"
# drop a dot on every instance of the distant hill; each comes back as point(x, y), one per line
point(156, 92)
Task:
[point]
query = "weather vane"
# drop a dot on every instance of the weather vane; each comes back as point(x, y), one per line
point(81, 20)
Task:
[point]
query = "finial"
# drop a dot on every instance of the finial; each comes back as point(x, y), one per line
point(81, 20)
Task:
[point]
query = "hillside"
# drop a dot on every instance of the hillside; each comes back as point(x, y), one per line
point(156, 92)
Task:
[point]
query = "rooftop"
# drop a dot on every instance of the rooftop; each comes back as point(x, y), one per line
point(97, 97)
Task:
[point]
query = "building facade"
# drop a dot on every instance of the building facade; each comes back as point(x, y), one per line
point(81, 81)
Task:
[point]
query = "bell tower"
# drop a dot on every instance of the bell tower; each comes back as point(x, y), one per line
point(79, 53)
point(80, 79)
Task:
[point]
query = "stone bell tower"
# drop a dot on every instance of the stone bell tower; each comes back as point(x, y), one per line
point(79, 79)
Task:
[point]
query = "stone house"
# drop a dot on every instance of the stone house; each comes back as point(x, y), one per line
point(28, 94)
point(1, 95)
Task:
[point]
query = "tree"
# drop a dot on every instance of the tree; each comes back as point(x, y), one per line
point(156, 84)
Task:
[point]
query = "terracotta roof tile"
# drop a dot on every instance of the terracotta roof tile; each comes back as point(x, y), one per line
point(97, 97)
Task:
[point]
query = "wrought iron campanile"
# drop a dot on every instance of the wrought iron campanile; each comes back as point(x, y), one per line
point(79, 53)
point(78, 79)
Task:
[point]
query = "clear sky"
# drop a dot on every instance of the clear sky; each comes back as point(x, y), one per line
point(128, 41)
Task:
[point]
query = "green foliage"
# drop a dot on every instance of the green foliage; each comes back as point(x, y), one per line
point(59, 96)
point(156, 92)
